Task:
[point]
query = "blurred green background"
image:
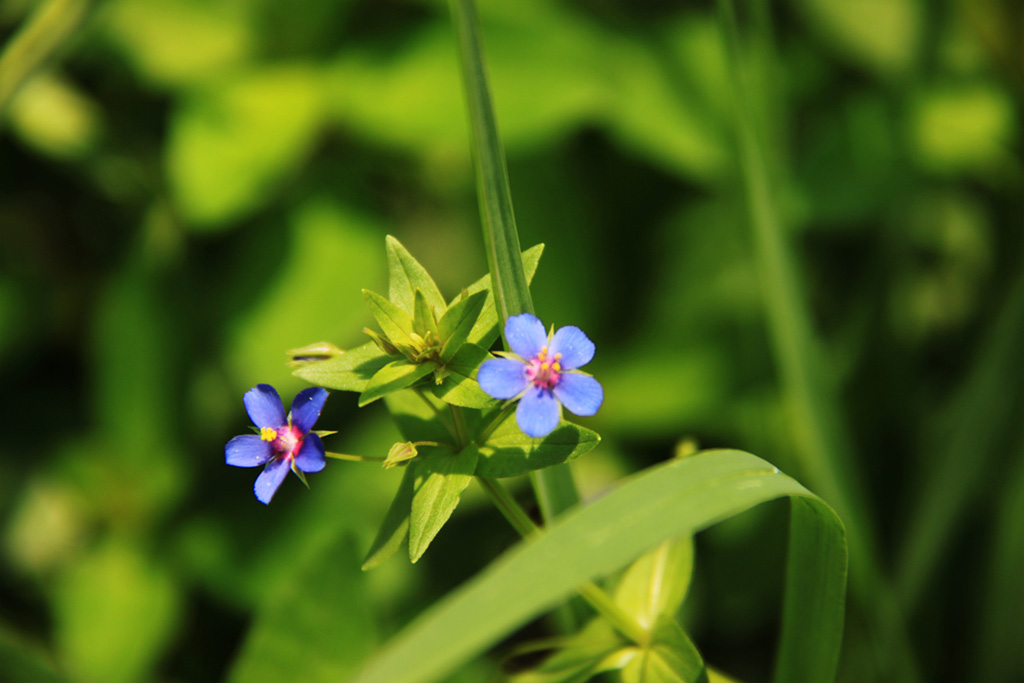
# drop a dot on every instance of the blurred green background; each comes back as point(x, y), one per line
point(191, 187)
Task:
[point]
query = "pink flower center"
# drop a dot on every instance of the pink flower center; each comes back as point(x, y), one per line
point(543, 371)
point(287, 441)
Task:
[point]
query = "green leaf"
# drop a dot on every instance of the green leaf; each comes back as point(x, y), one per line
point(395, 527)
point(396, 375)
point(348, 372)
point(485, 329)
point(459, 387)
point(395, 322)
point(417, 416)
point(458, 321)
point(311, 635)
point(423, 320)
point(678, 498)
point(443, 479)
point(406, 275)
point(671, 658)
point(510, 453)
point(656, 584)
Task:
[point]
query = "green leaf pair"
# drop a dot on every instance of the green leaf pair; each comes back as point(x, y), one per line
point(420, 335)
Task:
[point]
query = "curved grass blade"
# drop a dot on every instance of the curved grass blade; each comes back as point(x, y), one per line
point(676, 499)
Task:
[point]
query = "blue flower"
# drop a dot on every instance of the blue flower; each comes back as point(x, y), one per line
point(283, 442)
point(542, 372)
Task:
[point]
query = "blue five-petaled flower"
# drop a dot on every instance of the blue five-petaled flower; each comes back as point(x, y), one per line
point(543, 373)
point(284, 442)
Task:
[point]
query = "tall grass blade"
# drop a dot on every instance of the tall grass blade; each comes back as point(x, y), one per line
point(553, 486)
point(676, 499)
point(825, 457)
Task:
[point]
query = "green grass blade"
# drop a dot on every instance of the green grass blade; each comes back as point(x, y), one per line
point(983, 412)
point(554, 486)
point(823, 442)
point(676, 499)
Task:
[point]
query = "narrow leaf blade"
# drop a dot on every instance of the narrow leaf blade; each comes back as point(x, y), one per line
point(394, 376)
point(406, 275)
point(348, 372)
point(510, 453)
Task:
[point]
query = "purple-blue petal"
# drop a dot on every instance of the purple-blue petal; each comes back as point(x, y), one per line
point(576, 348)
point(525, 335)
point(310, 457)
point(538, 412)
point(270, 479)
point(502, 378)
point(580, 394)
point(307, 406)
point(247, 450)
point(264, 407)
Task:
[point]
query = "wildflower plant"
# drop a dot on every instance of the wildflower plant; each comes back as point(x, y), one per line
point(469, 410)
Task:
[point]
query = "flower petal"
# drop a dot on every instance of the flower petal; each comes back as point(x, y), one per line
point(307, 406)
point(310, 457)
point(576, 348)
point(247, 450)
point(270, 479)
point(525, 335)
point(538, 413)
point(502, 378)
point(264, 407)
point(580, 394)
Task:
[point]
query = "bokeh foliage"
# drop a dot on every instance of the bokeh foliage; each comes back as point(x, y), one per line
point(190, 187)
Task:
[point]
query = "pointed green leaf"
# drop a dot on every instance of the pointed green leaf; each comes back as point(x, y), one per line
point(443, 480)
point(458, 321)
point(348, 372)
point(671, 658)
point(677, 498)
point(656, 583)
point(395, 376)
point(485, 330)
point(395, 322)
point(423, 321)
point(406, 275)
point(459, 387)
point(509, 453)
point(395, 527)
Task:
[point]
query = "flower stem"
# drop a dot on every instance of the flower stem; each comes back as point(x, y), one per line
point(591, 592)
point(459, 420)
point(445, 422)
point(353, 458)
point(495, 422)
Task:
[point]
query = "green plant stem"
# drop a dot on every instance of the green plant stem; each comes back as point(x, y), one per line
point(495, 422)
point(823, 444)
point(39, 39)
point(459, 420)
point(352, 458)
point(445, 422)
point(589, 591)
point(553, 486)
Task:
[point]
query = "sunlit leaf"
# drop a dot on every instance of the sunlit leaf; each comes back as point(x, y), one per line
point(676, 499)
point(485, 330)
point(457, 323)
point(441, 479)
point(394, 376)
point(459, 386)
point(510, 453)
point(656, 584)
point(395, 322)
point(406, 275)
point(671, 657)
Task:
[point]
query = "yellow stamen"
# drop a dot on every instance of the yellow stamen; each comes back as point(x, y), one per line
point(558, 356)
point(544, 366)
point(268, 434)
point(543, 353)
point(557, 367)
